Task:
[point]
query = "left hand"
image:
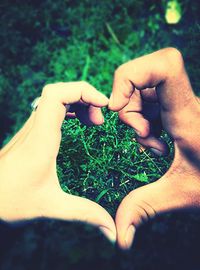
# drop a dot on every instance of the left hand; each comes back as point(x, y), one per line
point(29, 185)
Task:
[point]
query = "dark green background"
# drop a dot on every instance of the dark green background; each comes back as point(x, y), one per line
point(48, 41)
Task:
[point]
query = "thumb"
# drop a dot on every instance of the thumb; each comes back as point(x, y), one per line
point(143, 204)
point(69, 207)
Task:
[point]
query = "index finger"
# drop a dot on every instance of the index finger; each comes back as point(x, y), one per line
point(45, 135)
point(163, 69)
point(51, 110)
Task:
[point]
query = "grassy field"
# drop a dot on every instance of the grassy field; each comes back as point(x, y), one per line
point(50, 41)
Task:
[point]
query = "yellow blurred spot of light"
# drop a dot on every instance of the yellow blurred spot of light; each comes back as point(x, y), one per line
point(173, 12)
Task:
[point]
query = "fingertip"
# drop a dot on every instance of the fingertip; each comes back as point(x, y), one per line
point(129, 237)
point(109, 234)
point(143, 130)
point(101, 101)
point(159, 153)
point(111, 105)
point(104, 100)
point(116, 104)
point(98, 122)
point(96, 116)
point(136, 120)
point(92, 96)
point(124, 224)
point(155, 145)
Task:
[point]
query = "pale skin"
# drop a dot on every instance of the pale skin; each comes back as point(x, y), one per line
point(31, 189)
point(29, 183)
point(162, 79)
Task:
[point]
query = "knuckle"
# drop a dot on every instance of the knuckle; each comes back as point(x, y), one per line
point(123, 70)
point(140, 213)
point(47, 89)
point(85, 84)
point(122, 114)
point(52, 88)
point(172, 51)
point(118, 71)
point(174, 56)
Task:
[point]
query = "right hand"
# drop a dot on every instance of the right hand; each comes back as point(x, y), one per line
point(160, 78)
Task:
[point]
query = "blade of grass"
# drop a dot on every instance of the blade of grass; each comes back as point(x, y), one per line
point(86, 68)
point(101, 194)
point(112, 33)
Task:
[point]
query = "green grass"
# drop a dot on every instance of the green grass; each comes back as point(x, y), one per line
point(48, 41)
point(104, 163)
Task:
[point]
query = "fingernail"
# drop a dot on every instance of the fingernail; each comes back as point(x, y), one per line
point(67, 106)
point(137, 132)
point(130, 236)
point(156, 151)
point(109, 234)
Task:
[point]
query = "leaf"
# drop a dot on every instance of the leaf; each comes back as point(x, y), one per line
point(142, 177)
point(101, 194)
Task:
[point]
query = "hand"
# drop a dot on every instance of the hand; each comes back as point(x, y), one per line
point(159, 79)
point(29, 185)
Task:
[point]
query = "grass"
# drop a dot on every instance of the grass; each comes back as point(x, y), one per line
point(104, 163)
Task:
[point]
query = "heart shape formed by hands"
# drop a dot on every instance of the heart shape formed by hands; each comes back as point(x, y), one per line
point(29, 182)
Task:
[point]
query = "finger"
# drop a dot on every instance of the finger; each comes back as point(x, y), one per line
point(132, 115)
point(68, 207)
point(55, 96)
point(95, 115)
point(70, 115)
point(134, 209)
point(149, 95)
point(123, 88)
point(89, 115)
point(153, 141)
point(45, 135)
point(145, 136)
point(143, 204)
point(156, 145)
point(154, 70)
point(137, 122)
point(145, 120)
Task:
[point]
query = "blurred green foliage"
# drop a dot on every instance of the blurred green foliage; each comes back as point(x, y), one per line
point(49, 41)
